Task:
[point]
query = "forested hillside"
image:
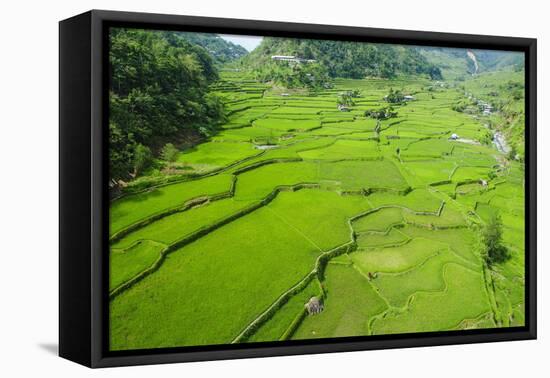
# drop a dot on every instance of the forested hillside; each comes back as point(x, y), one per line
point(338, 59)
point(222, 51)
point(455, 63)
point(159, 87)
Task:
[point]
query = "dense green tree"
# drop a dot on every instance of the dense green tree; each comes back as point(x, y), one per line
point(345, 98)
point(143, 158)
point(395, 97)
point(120, 156)
point(169, 152)
point(495, 251)
point(382, 113)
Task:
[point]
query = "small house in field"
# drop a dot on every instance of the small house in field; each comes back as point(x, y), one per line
point(408, 98)
point(285, 94)
point(454, 136)
point(343, 108)
point(483, 183)
point(314, 306)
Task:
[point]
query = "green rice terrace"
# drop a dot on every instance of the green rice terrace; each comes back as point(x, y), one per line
point(297, 200)
point(301, 219)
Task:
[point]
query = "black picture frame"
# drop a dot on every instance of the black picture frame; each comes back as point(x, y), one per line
point(83, 196)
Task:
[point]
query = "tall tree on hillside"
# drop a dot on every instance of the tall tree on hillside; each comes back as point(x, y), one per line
point(495, 251)
point(169, 152)
point(143, 158)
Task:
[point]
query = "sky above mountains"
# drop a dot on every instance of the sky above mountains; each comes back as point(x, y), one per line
point(249, 42)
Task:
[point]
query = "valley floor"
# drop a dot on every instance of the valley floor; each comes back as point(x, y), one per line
point(381, 224)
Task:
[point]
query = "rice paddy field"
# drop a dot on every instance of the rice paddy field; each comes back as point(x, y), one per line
point(294, 199)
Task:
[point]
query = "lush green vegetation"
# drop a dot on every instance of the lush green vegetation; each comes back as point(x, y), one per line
point(159, 87)
point(220, 50)
point(343, 59)
point(244, 190)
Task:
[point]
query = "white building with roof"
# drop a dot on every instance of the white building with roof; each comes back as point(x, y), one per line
point(291, 58)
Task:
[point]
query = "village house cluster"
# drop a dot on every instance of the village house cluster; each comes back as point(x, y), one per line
point(486, 108)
